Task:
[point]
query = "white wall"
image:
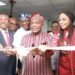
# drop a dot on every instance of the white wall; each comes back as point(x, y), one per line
point(46, 26)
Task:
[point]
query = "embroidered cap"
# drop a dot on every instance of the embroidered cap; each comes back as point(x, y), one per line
point(24, 16)
point(37, 17)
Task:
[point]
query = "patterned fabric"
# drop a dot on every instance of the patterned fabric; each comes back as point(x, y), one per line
point(54, 38)
point(37, 17)
point(67, 62)
point(24, 16)
point(38, 65)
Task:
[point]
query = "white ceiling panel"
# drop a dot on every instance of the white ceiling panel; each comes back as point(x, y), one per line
point(48, 8)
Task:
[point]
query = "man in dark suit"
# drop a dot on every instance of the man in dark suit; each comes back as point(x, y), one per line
point(7, 57)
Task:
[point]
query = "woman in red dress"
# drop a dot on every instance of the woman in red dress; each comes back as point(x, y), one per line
point(66, 65)
point(67, 38)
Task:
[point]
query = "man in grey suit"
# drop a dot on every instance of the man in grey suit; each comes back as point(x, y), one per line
point(7, 60)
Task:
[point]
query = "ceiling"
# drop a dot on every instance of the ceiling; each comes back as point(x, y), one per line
point(48, 8)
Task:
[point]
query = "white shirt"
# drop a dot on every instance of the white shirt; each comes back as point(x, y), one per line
point(19, 34)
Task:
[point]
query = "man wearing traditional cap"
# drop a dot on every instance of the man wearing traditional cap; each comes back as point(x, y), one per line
point(25, 29)
point(36, 62)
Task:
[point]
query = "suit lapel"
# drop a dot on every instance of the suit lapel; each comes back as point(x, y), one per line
point(2, 40)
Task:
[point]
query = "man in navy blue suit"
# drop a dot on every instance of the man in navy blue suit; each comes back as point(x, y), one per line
point(7, 58)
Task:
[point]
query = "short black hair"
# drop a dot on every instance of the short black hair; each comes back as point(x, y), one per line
point(54, 22)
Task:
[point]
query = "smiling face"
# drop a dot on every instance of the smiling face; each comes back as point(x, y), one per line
point(64, 21)
point(25, 24)
point(36, 26)
point(4, 20)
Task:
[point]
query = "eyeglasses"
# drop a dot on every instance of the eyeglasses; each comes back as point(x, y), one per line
point(12, 23)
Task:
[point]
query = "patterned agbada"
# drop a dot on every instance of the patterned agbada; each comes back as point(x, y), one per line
point(38, 65)
point(67, 62)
